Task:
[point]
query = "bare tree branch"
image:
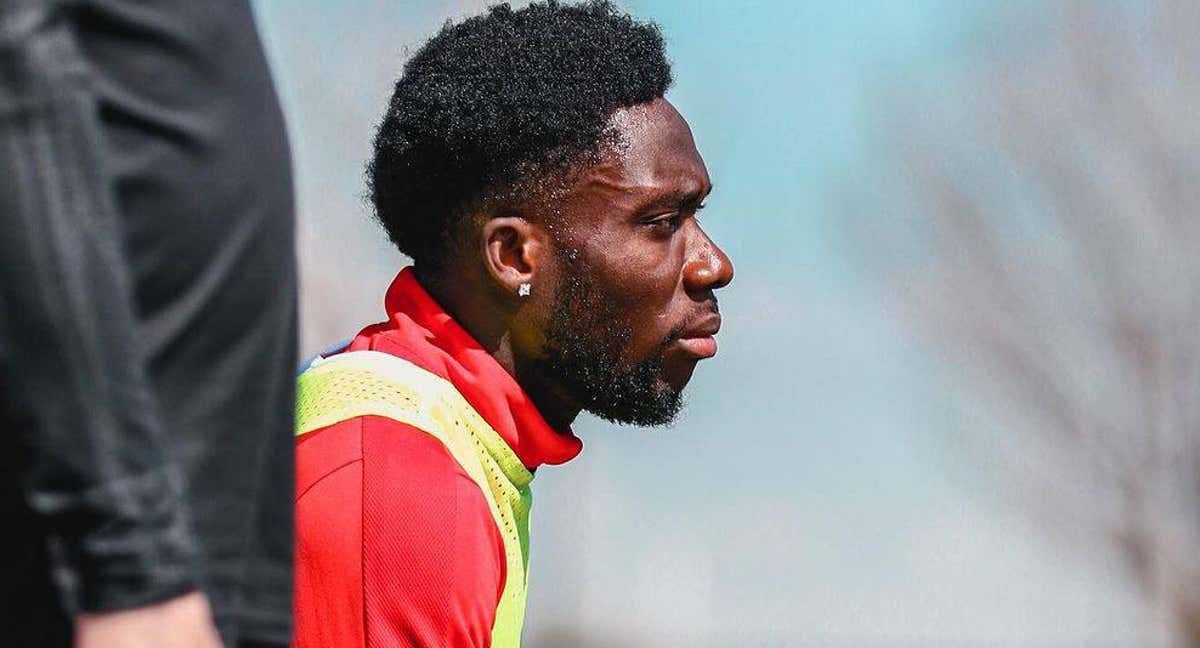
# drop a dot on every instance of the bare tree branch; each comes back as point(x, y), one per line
point(1059, 234)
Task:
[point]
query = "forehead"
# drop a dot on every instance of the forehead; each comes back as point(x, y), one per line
point(654, 145)
point(652, 158)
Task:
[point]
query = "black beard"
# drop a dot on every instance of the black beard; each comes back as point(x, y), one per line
point(585, 339)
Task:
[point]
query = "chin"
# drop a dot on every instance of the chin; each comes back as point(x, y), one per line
point(655, 406)
point(675, 378)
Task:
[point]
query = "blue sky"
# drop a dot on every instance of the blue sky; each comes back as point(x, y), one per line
point(824, 487)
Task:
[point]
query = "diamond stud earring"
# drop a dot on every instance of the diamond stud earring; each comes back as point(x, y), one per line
point(523, 289)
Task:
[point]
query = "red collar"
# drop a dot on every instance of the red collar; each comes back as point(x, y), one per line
point(420, 331)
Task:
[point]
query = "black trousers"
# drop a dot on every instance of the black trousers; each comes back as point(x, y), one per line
point(147, 316)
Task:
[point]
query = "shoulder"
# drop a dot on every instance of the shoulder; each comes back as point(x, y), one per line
point(369, 456)
point(386, 338)
point(394, 533)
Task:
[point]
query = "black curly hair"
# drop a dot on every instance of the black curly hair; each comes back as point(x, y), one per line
point(493, 106)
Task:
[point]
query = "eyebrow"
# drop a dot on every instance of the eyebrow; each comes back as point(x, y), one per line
point(680, 198)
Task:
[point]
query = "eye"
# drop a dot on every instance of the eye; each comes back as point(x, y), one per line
point(671, 221)
point(666, 222)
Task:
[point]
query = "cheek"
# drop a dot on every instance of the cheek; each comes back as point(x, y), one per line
point(642, 279)
point(642, 287)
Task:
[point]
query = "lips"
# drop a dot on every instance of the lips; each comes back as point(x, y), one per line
point(698, 340)
point(701, 347)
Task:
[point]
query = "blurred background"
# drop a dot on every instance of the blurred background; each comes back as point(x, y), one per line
point(958, 391)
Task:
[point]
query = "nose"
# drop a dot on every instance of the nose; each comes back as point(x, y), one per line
point(708, 267)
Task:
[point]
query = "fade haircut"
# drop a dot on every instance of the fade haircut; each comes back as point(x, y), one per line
point(492, 107)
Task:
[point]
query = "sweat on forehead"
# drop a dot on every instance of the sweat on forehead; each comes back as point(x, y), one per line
point(650, 164)
point(631, 135)
point(645, 129)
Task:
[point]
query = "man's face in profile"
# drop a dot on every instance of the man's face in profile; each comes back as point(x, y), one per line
point(633, 308)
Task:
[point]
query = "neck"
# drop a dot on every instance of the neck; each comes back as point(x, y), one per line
point(491, 325)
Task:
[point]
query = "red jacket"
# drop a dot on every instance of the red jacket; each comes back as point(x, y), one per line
point(395, 543)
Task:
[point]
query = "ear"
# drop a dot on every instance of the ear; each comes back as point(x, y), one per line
point(513, 249)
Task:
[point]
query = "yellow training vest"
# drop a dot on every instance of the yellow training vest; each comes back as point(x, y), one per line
point(371, 383)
